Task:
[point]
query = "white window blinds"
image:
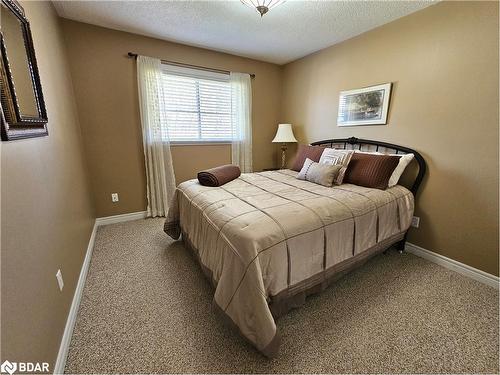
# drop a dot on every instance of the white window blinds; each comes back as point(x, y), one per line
point(197, 105)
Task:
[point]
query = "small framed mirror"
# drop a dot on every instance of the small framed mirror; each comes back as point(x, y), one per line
point(23, 109)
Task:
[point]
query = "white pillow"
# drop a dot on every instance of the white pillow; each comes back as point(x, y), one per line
point(333, 156)
point(322, 174)
point(404, 160)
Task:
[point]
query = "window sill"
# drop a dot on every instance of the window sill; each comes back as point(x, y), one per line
point(200, 143)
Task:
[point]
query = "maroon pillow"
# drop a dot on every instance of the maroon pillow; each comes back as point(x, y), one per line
point(371, 170)
point(304, 152)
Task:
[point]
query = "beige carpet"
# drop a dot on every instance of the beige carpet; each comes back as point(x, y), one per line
point(146, 308)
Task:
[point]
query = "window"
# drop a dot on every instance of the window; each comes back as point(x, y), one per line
point(198, 105)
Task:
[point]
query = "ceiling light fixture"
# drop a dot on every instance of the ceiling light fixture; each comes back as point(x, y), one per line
point(262, 6)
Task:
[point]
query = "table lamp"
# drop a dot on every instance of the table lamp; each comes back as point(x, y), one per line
point(284, 135)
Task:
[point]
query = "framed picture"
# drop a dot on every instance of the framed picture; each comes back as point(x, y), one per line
point(366, 106)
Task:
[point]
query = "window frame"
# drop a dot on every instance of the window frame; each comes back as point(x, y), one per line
point(200, 74)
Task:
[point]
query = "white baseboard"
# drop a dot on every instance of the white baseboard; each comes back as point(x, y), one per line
point(120, 218)
point(75, 304)
point(454, 265)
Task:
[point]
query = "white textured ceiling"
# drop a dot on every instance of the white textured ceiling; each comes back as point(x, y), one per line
point(290, 31)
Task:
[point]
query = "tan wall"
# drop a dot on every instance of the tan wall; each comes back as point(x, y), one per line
point(46, 212)
point(106, 93)
point(189, 159)
point(443, 61)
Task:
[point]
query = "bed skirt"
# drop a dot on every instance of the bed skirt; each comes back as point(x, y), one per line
point(296, 295)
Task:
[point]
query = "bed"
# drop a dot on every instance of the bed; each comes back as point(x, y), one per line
point(267, 240)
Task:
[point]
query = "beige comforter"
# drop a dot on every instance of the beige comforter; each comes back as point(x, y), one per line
point(265, 233)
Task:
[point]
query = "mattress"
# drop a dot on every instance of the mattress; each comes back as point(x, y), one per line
point(266, 238)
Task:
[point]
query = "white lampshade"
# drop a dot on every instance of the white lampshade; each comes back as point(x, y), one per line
point(284, 134)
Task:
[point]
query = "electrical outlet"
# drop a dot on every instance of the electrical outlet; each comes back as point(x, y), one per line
point(415, 221)
point(114, 197)
point(60, 280)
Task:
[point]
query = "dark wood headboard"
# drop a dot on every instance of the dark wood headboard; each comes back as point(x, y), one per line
point(376, 146)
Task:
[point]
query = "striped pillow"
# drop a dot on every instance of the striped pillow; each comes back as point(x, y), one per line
point(333, 156)
point(404, 161)
point(371, 170)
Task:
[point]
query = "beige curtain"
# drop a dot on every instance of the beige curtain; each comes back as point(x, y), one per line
point(159, 170)
point(241, 114)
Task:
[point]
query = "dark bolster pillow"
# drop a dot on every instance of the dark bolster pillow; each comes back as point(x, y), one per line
point(370, 170)
point(306, 152)
point(219, 175)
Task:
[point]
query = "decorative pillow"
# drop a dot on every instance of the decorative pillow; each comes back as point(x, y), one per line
point(304, 152)
point(322, 174)
point(371, 170)
point(333, 156)
point(404, 161)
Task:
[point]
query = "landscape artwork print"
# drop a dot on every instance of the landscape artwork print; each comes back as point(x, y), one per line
point(366, 106)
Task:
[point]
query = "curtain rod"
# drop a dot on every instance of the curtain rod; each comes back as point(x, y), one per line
point(134, 55)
